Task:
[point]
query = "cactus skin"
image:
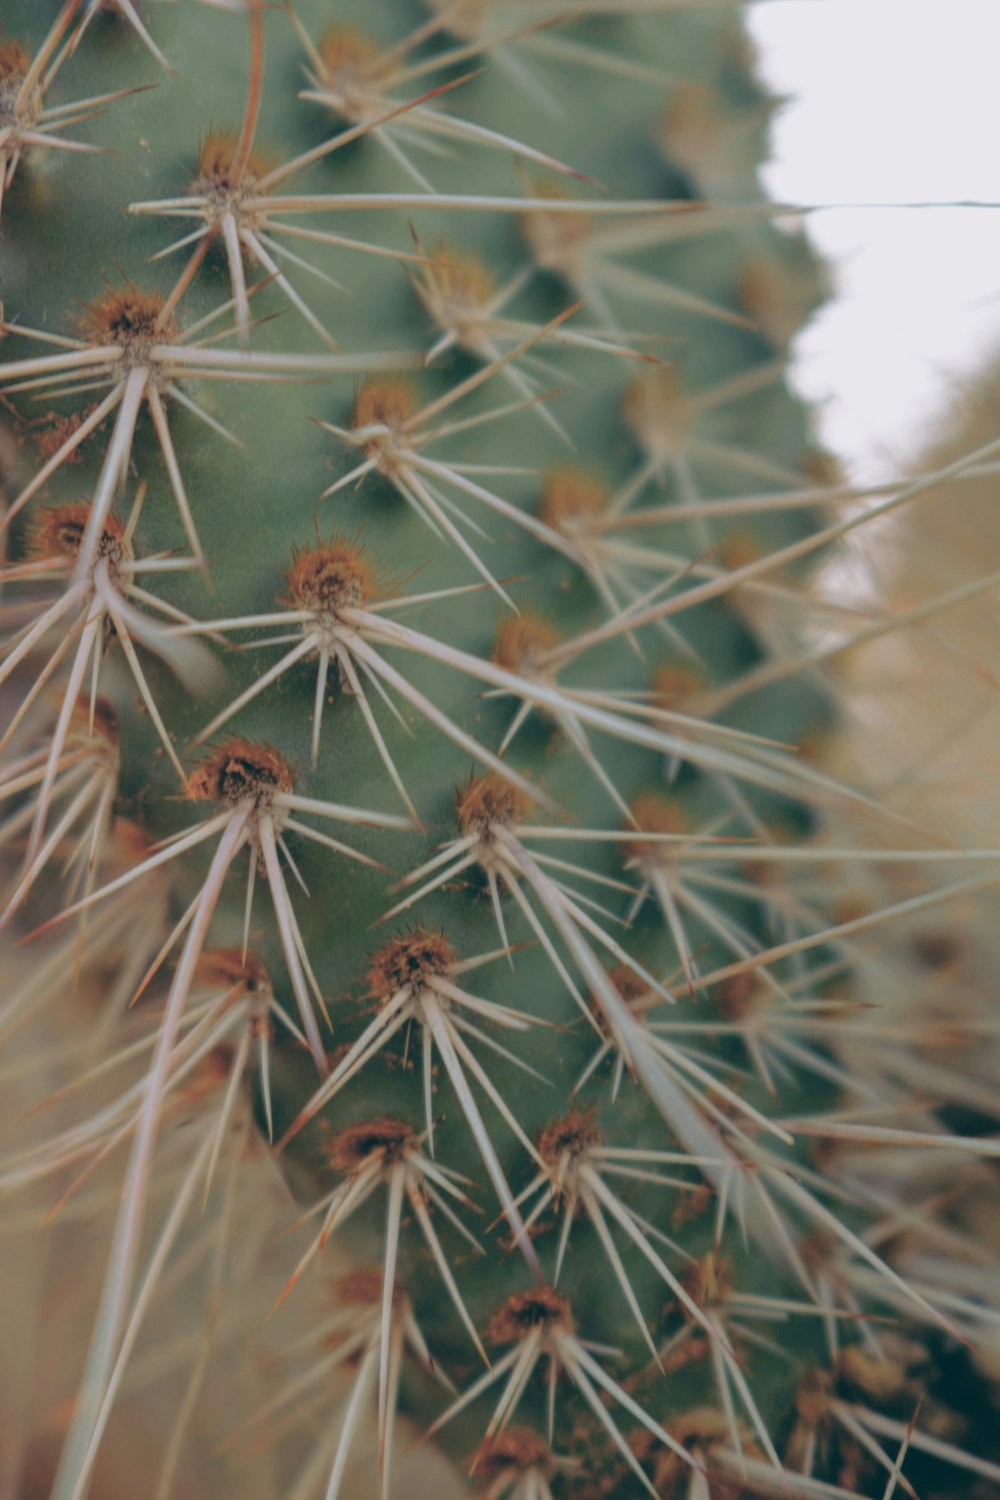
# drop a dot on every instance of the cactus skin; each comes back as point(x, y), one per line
point(258, 514)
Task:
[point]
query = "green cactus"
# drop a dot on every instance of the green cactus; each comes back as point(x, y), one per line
point(406, 504)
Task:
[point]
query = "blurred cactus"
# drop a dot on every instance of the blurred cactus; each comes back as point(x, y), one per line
point(439, 943)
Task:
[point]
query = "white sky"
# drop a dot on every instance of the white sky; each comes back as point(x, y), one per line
point(890, 101)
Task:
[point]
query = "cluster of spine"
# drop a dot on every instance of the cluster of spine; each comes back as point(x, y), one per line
point(451, 986)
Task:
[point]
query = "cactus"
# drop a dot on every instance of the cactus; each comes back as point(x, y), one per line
point(440, 943)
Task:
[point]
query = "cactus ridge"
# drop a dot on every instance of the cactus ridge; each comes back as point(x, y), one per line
point(485, 1050)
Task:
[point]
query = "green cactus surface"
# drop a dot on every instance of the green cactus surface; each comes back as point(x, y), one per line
point(407, 514)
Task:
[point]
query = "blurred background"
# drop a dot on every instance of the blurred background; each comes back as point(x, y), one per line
point(890, 102)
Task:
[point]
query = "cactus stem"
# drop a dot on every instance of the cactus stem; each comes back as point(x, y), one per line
point(802, 1096)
